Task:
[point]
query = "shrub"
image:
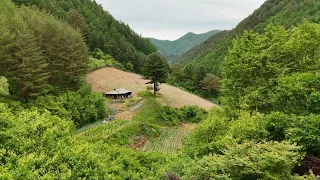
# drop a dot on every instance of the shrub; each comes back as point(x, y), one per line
point(4, 86)
point(192, 114)
point(277, 124)
point(96, 63)
point(209, 136)
point(249, 127)
point(131, 102)
point(306, 133)
point(129, 66)
point(154, 113)
point(249, 160)
point(114, 63)
point(168, 116)
point(303, 130)
point(82, 106)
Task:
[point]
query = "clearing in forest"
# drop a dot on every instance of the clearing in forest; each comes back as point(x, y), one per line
point(170, 140)
point(106, 79)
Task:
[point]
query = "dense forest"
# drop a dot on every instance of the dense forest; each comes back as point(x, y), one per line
point(172, 50)
point(100, 29)
point(268, 126)
point(210, 54)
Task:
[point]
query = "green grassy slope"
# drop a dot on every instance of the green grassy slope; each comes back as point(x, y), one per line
point(284, 12)
point(173, 49)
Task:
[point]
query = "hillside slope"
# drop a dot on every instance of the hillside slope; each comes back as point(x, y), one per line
point(174, 49)
point(99, 28)
point(106, 79)
point(200, 50)
point(283, 12)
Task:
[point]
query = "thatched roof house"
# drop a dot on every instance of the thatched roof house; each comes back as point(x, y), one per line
point(118, 93)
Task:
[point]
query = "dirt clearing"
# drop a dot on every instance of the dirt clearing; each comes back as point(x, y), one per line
point(107, 79)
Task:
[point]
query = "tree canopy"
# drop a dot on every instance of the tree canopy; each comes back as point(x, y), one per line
point(274, 71)
point(99, 28)
point(156, 70)
point(211, 53)
point(39, 52)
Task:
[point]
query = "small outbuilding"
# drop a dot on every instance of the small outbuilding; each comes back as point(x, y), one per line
point(119, 93)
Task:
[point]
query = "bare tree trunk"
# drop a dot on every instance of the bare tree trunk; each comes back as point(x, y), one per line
point(154, 90)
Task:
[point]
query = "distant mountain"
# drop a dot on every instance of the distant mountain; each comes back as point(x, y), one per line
point(211, 52)
point(174, 49)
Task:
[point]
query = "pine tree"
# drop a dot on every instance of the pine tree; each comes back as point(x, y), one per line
point(7, 43)
point(78, 60)
point(32, 71)
point(156, 70)
point(77, 21)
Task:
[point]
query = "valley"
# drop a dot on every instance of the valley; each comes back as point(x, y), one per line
point(85, 96)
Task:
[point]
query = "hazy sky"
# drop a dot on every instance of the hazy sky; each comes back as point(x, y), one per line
point(170, 19)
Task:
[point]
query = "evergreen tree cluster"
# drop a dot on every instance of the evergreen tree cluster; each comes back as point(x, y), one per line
point(99, 28)
point(39, 53)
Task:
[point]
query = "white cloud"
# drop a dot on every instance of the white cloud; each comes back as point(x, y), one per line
point(170, 19)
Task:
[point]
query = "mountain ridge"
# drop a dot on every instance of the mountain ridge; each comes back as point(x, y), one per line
point(172, 49)
point(208, 57)
point(211, 52)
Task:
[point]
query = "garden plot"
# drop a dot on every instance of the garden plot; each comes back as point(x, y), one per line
point(170, 140)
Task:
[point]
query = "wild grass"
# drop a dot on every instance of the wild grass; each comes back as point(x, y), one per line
point(170, 140)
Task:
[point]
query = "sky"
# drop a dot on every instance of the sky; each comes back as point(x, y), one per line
point(171, 19)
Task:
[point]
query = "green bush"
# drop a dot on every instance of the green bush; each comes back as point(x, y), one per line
point(96, 63)
point(4, 86)
point(154, 113)
point(35, 145)
point(168, 116)
point(129, 66)
point(209, 136)
point(131, 102)
point(192, 114)
point(306, 133)
point(303, 130)
point(249, 160)
point(277, 125)
point(115, 64)
point(249, 127)
point(82, 106)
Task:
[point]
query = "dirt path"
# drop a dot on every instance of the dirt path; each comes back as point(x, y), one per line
point(106, 79)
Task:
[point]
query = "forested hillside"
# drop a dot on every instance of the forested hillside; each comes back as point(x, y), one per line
point(99, 28)
point(199, 50)
point(267, 128)
point(39, 53)
point(210, 54)
point(174, 49)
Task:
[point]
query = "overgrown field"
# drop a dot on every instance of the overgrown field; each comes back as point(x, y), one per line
point(170, 140)
point(106, 79)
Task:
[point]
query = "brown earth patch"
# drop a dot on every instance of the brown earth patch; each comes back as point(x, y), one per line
point(106, 79)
